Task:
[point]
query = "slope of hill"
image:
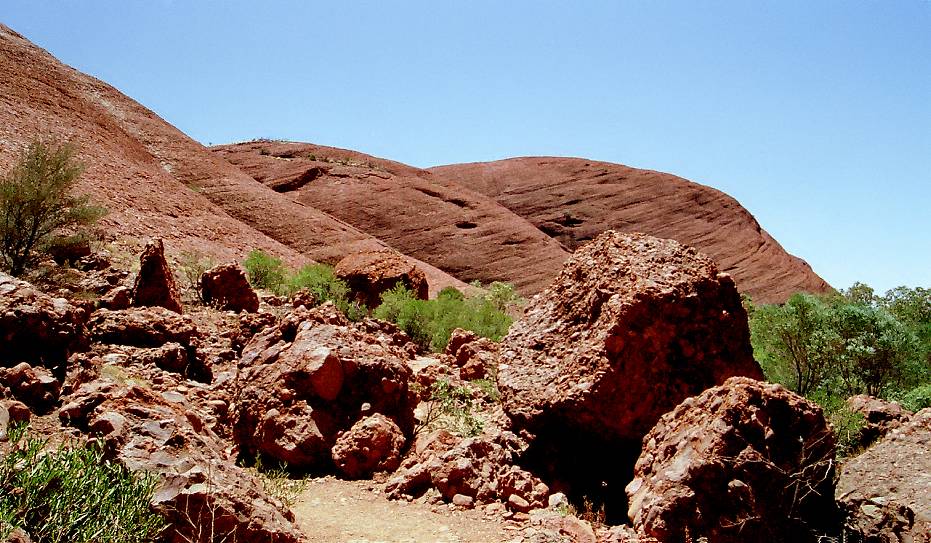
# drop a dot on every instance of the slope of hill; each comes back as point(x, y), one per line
point(462, 232)
point(573, 200)
point(154, 180)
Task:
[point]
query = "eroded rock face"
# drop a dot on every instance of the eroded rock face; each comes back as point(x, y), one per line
point(34, 386)
point(745, 462)
point(885, 491)
point(155, 285)
point(226, 287)
point(37, 328)
point(369, 274)
point(202, 493)
point(632, 326)
point(481, 468)
point(313, 376)
point(881, 416)
point(373, 444)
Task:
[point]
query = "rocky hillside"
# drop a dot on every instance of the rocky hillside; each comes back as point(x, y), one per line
point(154, 180)
point(464, 233)
point(573, 200)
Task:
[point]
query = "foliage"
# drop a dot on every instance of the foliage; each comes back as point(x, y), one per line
point(193, 264)
point(73, 495)
point(321, 281)
point(489, 388)
point(35, 203)
point(917, 398)
point(837, 344)
point(278, 483)
point(264, 270)
point(429, 323)
point(452, 408)
point(848, 425)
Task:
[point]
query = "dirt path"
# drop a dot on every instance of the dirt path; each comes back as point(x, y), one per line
point(334, 511)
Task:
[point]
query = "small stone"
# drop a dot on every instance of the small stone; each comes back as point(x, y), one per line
point(461, 500)
point(517, 503)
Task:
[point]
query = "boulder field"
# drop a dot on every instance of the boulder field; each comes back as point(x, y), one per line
point(627, 392)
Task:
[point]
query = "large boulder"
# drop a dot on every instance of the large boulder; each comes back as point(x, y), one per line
point(37, 328)
point(631, 327)
point(880, 416)
point(202, 493)
point(744, 462)
point(226, 287)
point(155, 284)
point(885, 492)
point(373, 444)
point(313, 376)
point(34, 386)
point(369, 274)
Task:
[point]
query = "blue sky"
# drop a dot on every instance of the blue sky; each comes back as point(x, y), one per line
point(815, 115)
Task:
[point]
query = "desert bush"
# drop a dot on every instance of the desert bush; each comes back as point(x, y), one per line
point(72, 494)
point(452, 408)
point(321, 281)
point(265, 271)
point(836, 344)
point(429, 323)
point(36, 204)
point(193, 264)
point(278, 482)
point(848, 425)
point(917, 398)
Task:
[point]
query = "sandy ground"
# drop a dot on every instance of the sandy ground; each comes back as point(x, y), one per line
point(335, 511)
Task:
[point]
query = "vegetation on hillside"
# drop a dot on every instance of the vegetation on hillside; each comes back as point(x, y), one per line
point(429, 323)
point(854, 342)
point(37, 210)
point(72, 494)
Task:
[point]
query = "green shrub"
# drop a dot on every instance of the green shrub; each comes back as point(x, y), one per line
point(429, 323)
point(193, 264)
point(321, 281)
point(265, 271)
point(451, 408)
point(73, 495)
point(917, 398)
point(847, 425)
point(36, 204)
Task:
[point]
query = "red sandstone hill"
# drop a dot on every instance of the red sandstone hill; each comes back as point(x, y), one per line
point(154, 180)
point(464, 233)
point(573, 200)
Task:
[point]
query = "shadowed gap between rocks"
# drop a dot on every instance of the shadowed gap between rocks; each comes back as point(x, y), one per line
point(592, 472)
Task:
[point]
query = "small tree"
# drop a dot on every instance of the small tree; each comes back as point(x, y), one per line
point(35, 203)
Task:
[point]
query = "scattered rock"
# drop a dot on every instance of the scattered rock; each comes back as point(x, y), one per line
point(155, 284)
point(881, 416)
point(34, 386)
point(227, 288)
point(373, 444)
point(303, 298)
point(742, 462)
point(37, 328)
point(369, 274)
point(480, 467)
point(307, 379)
point(200, 485)
point(116, 299)
point(142, 327)
point(884, 491)
point(461, 500)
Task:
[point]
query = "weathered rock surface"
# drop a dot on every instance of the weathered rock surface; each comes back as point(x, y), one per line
point(313, 376)
point(475, 357)
point(37, 328)
point(466, 234)
point(744, 462)
point(155, 284)
point(574, 200)
point(373, 444)
point(632, 326)
point(34, 386)
point(481, 467)
point(886, 491)
point(881, 416)
point(226, 287)
point(202, 493)
point(369, 274)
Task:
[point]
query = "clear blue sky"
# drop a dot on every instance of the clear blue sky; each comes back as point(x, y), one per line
point(816, 115)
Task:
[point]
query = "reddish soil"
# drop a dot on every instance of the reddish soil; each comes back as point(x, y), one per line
point(574, 200)
point(466, 234)
point(155, 180)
